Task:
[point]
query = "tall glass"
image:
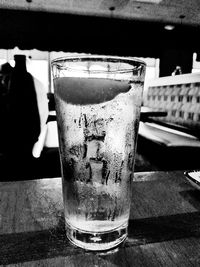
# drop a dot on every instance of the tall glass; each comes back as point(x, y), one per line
point(98, 100)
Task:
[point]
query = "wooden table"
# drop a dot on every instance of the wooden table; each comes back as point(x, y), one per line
point(164, 226)
point(147, 112)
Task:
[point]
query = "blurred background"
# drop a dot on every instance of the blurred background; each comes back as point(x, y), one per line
point(163, 33)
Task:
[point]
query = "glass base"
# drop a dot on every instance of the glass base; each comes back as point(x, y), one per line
point(97, 241)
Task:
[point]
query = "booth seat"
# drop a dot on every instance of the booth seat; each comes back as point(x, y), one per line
point(180, 97)
point(175, 138)
point(167, 136)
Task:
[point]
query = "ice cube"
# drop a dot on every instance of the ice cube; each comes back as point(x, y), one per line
point(96, 169)
point(95, 149)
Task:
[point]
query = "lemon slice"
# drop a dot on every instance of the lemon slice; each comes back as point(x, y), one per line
point(84, 91)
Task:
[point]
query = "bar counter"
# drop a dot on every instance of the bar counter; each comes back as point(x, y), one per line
point(164, 225)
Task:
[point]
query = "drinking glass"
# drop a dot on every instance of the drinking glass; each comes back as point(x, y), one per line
point(98, 101)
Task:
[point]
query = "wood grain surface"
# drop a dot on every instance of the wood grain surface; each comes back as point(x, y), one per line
point(164, 225)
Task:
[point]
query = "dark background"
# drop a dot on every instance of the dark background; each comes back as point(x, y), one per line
point(100, 35)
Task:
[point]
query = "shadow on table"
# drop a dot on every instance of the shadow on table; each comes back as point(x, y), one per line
point(52, 243)
point(192, 197)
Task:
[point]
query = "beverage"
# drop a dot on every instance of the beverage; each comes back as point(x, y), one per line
point(98, 119)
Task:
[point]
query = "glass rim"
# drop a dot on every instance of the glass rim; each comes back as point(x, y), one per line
point(130, 60)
